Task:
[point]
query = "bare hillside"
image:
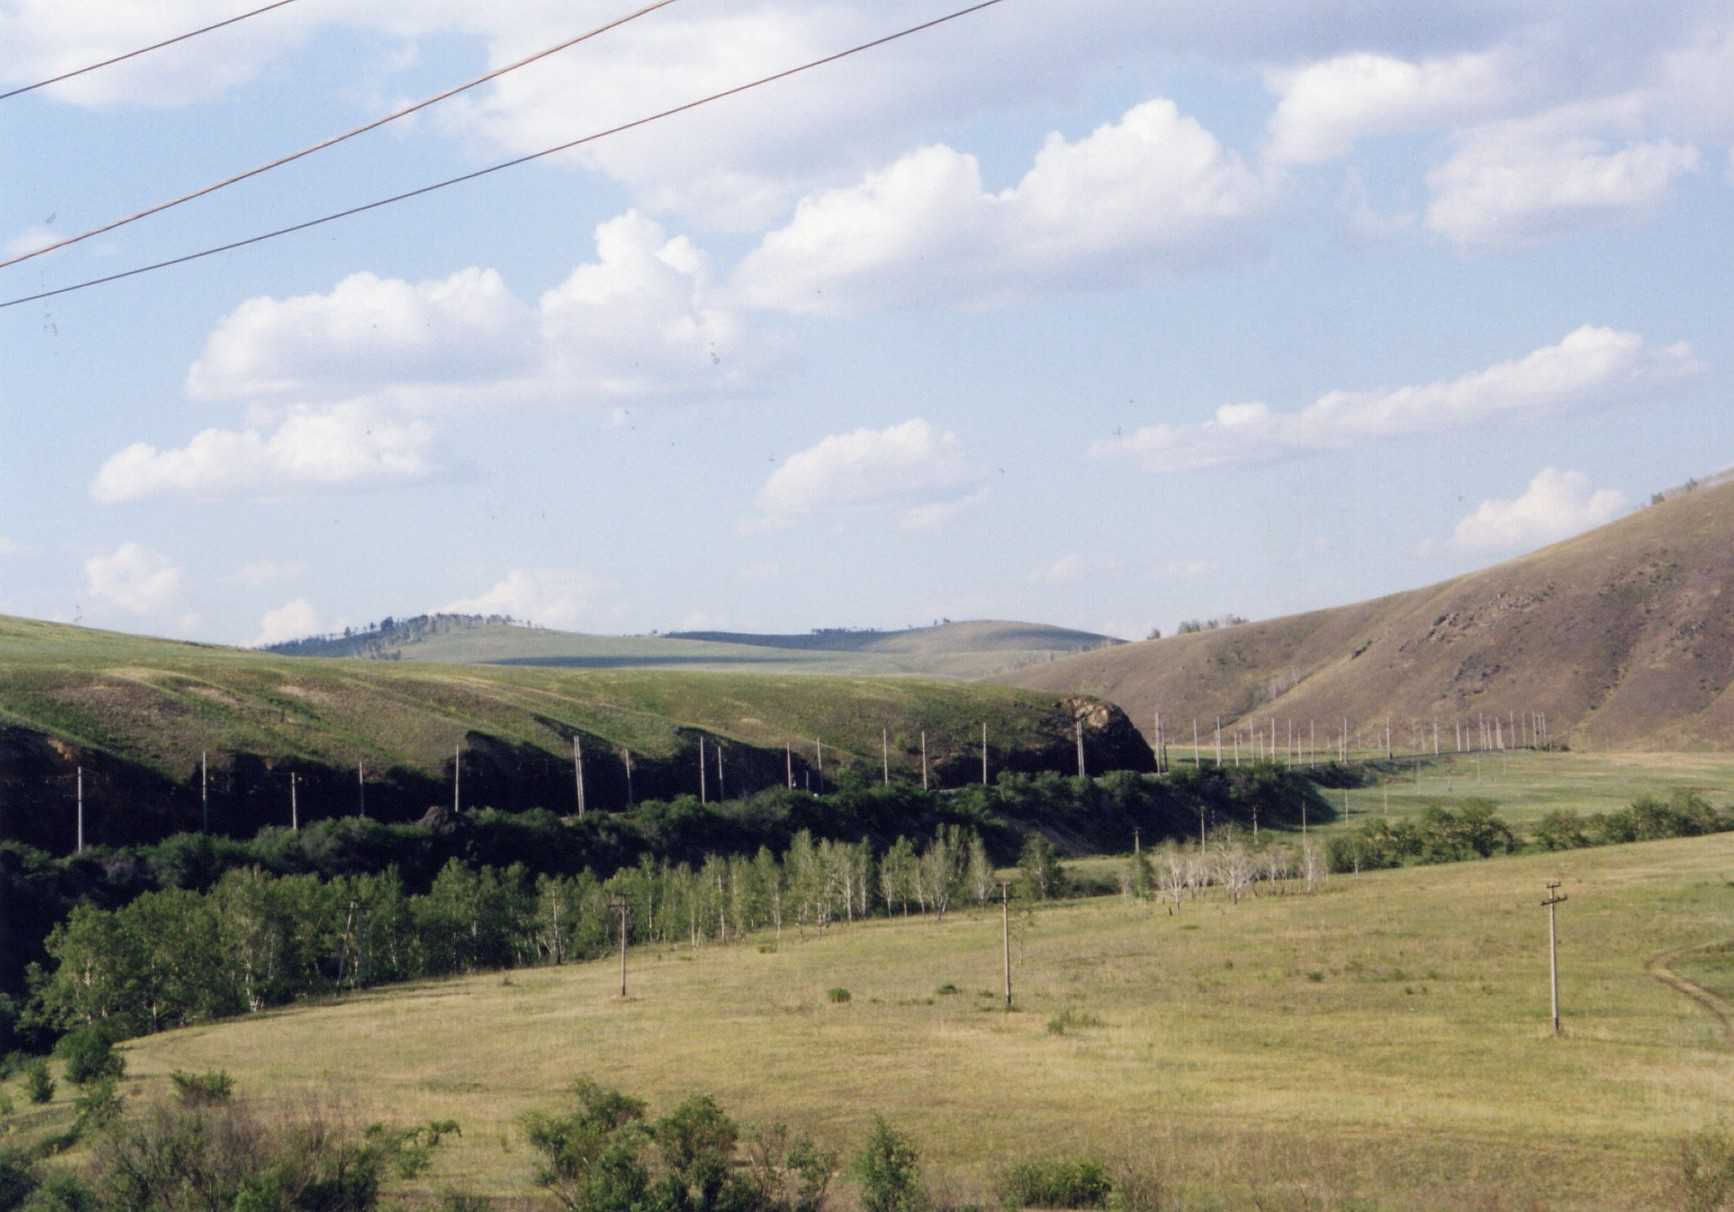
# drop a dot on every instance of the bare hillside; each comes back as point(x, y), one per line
point(1622, 636)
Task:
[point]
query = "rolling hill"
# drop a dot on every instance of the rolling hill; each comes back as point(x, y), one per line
point(1623, 637)
point(951, 650)
point(136, 714)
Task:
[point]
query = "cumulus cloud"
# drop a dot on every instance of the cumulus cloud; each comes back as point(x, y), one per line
point(291, 621)
point(258, 573)
point(640, 320)
point(134, 578)
point(1556, 504)
point(552, 597)
point(1325, 106)
point(1590, 367)
point(1515, 183)
point(1067, 570)
point(1159, 193)
point(913, 468)
point(348, 445)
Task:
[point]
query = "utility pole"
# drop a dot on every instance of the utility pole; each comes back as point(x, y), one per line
point(294, 806)
point(626, 758)
point(1555, 898)
point(721, 791)
point(1195, 762)
point(924, 760)
point(1219, 742)
point(80, 849)
point(1137, 840)
point(457, 776)
point(1005, 935)
point(885, 755)
point(703, 794)
point(578, 771)
point(1078, 727)
point(618, 904)
point(984, 753)
point(360, 788)
point(819, 746)
point(789, 763)
point(204, 791)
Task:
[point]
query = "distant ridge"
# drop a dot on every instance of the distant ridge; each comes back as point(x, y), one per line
point(1623, 636)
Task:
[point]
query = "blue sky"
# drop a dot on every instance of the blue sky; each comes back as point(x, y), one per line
point(1108, 314)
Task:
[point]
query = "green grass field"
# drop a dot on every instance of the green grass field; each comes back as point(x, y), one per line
point(160, 703)
point(1383, 1041)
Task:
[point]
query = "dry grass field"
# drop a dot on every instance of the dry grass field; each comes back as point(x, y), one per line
point(1380, 1044)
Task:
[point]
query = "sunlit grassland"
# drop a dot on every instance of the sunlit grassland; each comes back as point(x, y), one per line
point(1383, 1039)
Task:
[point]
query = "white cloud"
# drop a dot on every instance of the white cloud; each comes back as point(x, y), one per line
point(910, 467)
point(551, 597)
point(1185, 570)
point(136, 579)
point(9, 546)
point(1326, 106)
point(1514, 183)
point(1161, 196)
point(36, 236)
point(291, 621)
point(1067, 570)
point(1590, 367)
point(348, 445)
point(1557, 504)
point(259, 573)
point(638, 321)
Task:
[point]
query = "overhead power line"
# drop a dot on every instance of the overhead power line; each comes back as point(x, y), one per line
point(504, 164)
point(405, 112)
point(143, 50)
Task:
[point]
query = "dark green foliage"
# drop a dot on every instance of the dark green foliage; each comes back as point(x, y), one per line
point(888, 1167)
point(590, 1155)
point(784, 1174)
point(89, 1055)
point(839, 995)
point(697, 1143)
point(37, 1082)
point(1060, 1182)
point(1561, 830)
point(208, 1089)
point(98, 1104)
point(17, 1178)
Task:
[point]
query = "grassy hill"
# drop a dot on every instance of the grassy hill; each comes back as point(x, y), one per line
point(137, 713)
point(1622, 636)
point(1382, 1044)
point(952, 650)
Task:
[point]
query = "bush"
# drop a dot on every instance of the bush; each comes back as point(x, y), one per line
point(90, 1056)
point(37, 1082)
point(1072, 1019)
point(203, 1089)
point(1077, 1182)
point(838, 995)
point(889, 1171)
point(1042, 877)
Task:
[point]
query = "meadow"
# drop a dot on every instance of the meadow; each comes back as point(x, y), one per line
point(1382, 1043)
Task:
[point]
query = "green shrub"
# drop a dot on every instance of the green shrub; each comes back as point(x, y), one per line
point(37, 1082)
point(1060, 1182)
point(90, 1056)
point(98, 1104)
point(1041, 878)
point(1073, 1019)
point(838, 995)
point(889, 1171)
point(947, 990)
point(203, 1089)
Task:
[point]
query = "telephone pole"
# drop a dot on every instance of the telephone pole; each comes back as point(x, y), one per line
point(626, 757)
point(984, 753)
point(294, 806)
point(703, 798)
point(360, 788)
point(1078, 727)
point(885, 754)
point(578, 772)
point(1005, 935)
point(457, 776)
point(924, 761)
point(204, 791)
point(1555, 898)
point(80, 849)
point(618, 904)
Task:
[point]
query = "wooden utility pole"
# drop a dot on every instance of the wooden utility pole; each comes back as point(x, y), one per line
point(1435, 736)
point(924, 760)
point(721, 788)
point(885, 755)
point(578, 771)
point(1219, 742)
point(80, 849)
point(1078, 727)
point(789, 762)
point(1195, 761)
point(1005, 935)
point(457, 776)
point(626, 759)
point(1555, 898)
point(984, 753)
point(204, 791)
point(361, 788)
point(618, 904)
point(294, 806)
point(703, 787)
point(819, 747)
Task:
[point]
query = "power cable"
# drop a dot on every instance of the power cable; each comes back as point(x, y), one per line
point(143, 50)
point(504, 164)
point(336, 139)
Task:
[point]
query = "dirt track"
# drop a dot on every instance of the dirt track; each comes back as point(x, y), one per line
point(1657, 966)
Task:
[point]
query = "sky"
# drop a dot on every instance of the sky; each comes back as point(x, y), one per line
point(1107, 314)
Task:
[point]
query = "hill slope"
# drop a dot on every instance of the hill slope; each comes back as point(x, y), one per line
point(137, 714)
point(1622, 636)
point(961, 650)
